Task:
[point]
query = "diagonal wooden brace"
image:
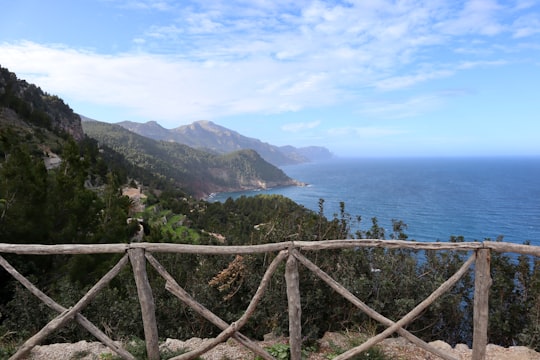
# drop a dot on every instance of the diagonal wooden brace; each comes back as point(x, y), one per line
point(228, 330)
point(444, 287)
point(82, 320)
point(67, 315)
point(372, 313)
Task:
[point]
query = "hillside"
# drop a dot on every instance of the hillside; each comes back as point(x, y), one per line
point(46, 123)
point(26, 106)
point(218, 139)
point(43, 125)
point(199, 172)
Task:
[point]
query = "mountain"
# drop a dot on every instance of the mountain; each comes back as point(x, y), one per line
point(212, 137)
point(45, 124)
point(312, 153)
point(29, 107)
point(199, 172)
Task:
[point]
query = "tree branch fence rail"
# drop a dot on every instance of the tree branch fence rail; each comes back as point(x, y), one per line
point(138, 254)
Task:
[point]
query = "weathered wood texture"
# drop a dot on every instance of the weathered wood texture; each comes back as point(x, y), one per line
point(482, 283)
point(82, 320)
point(138, 254)
point(340, 289)
point(37, 249)
point(295, 309)
point(146, 300)
point(230, 330)
point(63, 249)
point(237, 325)
point(444, 287)
point(503, 247)
point(172, 286)
point(67, 315)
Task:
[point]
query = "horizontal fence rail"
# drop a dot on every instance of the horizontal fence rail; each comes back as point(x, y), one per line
point(138, 254)
point(68, 249)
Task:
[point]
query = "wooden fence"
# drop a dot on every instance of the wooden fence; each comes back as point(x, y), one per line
point(140, 253)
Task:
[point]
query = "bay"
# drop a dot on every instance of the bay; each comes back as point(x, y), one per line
point(477, 198)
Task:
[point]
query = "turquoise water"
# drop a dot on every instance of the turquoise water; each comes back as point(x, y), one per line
point(477, 198)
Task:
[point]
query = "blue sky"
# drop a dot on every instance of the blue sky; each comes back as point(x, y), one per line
point(363, 78)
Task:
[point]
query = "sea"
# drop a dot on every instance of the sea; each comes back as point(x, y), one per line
point(477, 198)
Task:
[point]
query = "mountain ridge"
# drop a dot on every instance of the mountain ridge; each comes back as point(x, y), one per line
point(207, 135)
point(200, 172)
point(47, 125)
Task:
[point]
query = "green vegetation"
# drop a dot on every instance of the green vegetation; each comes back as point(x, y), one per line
point(186, 166)
point(36, 107)
point(282, 351)
point(8, 344)
point(374, 353)
point(81, 201)
point(211, 137)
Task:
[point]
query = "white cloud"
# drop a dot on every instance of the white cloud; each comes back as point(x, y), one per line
point(222, 58)
point(402, 108)
point(465, 65)
point(476, 17)
point(166, 88)
point(398, 82)
point(203, 23)
point(164, 32)
point(296, 127)
point(526, 25)
point(161, 5)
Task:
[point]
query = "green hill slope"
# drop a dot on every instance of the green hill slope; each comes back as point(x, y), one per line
point(198, 172)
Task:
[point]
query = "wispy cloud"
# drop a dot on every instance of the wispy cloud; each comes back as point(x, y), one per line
point(161, 5)
point(526, 26)
point(296, 127)
point(403, 107)
point(476, 17)
point(465, 65)
point(219, 58)
point(399, 82)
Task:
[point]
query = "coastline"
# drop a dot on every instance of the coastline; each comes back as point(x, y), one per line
point(211, 197)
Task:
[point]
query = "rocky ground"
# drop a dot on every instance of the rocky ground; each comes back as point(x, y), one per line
point(328, 346)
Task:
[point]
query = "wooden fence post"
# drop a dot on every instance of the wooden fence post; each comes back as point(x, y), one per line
point(482, 283)
point(146, 300)
point(294, 306)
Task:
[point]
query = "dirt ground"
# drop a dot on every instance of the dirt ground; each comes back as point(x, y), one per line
point(328, 347)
